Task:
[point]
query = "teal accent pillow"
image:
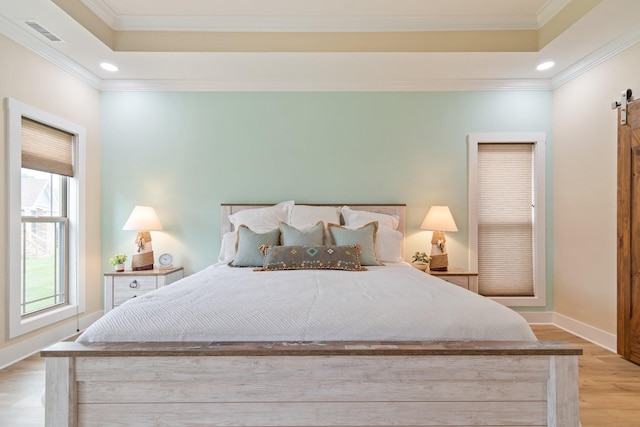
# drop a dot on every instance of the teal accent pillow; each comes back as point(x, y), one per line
point(364, 236)
point(248, 246)
point(312, 236)
point(316, 257)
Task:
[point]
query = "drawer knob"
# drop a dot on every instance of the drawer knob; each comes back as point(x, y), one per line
point(134, 284)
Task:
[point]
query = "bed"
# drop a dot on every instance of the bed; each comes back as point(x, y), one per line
point(370, 346)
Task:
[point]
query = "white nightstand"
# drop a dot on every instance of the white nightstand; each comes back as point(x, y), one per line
point(120, 287)
point(459, 276)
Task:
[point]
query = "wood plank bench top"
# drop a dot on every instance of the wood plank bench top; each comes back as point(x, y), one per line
point(313, 348)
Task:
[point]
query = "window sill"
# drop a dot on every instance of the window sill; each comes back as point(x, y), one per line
point(20, 326)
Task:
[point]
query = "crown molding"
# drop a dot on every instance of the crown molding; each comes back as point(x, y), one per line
point(326, 86)
point(40, 47)
point(325, 23)
point(336, 23)
point(549, 10)
point(103, 11)
point(315, 23)
point(598, 57)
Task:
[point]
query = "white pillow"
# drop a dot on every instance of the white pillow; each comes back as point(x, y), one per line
point(303, 215)
point(228, 247)
point(389, 245)
point(359, 218)
point(262, 219)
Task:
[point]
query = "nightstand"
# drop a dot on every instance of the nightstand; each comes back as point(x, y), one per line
point(459, 276)
point(120, 287)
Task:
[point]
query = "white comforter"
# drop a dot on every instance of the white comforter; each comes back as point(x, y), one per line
point(395, 302)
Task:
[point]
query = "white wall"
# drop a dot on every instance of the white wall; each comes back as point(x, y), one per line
point(585, 190)
point(33, 80)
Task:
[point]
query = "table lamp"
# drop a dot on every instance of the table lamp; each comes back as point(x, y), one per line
point(439, 220)
point(143, 219)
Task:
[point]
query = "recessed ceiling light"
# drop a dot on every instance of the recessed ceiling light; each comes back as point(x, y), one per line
point(109, 67)
point(545, 65)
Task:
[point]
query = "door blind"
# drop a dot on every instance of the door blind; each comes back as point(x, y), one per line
point(505, 219)
point(46, 149)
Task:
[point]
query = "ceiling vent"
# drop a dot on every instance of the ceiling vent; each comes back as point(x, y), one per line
point(43, 31)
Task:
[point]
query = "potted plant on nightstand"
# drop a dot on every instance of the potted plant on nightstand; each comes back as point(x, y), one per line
point(118, 262)
point(420, 260)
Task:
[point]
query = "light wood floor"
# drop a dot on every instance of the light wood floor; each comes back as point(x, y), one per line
point(609, 387)
point(21, 385)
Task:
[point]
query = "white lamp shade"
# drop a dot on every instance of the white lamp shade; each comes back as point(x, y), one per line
point(439, 218)
point(143, 218)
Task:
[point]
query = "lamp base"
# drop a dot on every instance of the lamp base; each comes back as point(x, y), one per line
point(439, 262)
point(142, 261)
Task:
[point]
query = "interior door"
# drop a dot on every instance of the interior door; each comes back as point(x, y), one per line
point(629, 233)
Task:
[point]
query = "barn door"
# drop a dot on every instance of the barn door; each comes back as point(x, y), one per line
point(629, 231)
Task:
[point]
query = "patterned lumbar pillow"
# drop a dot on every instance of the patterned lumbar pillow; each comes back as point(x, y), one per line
point(316, 257)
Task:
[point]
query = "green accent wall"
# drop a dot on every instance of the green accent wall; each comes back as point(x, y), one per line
point(185, 153)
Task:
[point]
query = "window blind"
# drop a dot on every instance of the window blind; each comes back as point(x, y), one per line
point(46, 149)
point(505, 219)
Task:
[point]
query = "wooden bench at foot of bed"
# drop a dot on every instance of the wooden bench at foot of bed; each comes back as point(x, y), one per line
point(312, 384)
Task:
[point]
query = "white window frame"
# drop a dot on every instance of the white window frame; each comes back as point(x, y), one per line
point(539, 225)
point(18, 324)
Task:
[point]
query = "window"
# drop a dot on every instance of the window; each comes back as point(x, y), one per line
point(44, 236)
point(506, 217)
point(45, 229)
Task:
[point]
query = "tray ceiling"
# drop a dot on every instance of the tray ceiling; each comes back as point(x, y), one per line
point(324, 45)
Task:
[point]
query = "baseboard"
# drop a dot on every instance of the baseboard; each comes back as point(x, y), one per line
point(16, 352)
point(538, 317)
point(597, 336)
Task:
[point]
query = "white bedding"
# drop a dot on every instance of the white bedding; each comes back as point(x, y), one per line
point(391, 303)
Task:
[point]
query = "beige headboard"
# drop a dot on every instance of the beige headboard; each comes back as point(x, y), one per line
point(226, 209)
